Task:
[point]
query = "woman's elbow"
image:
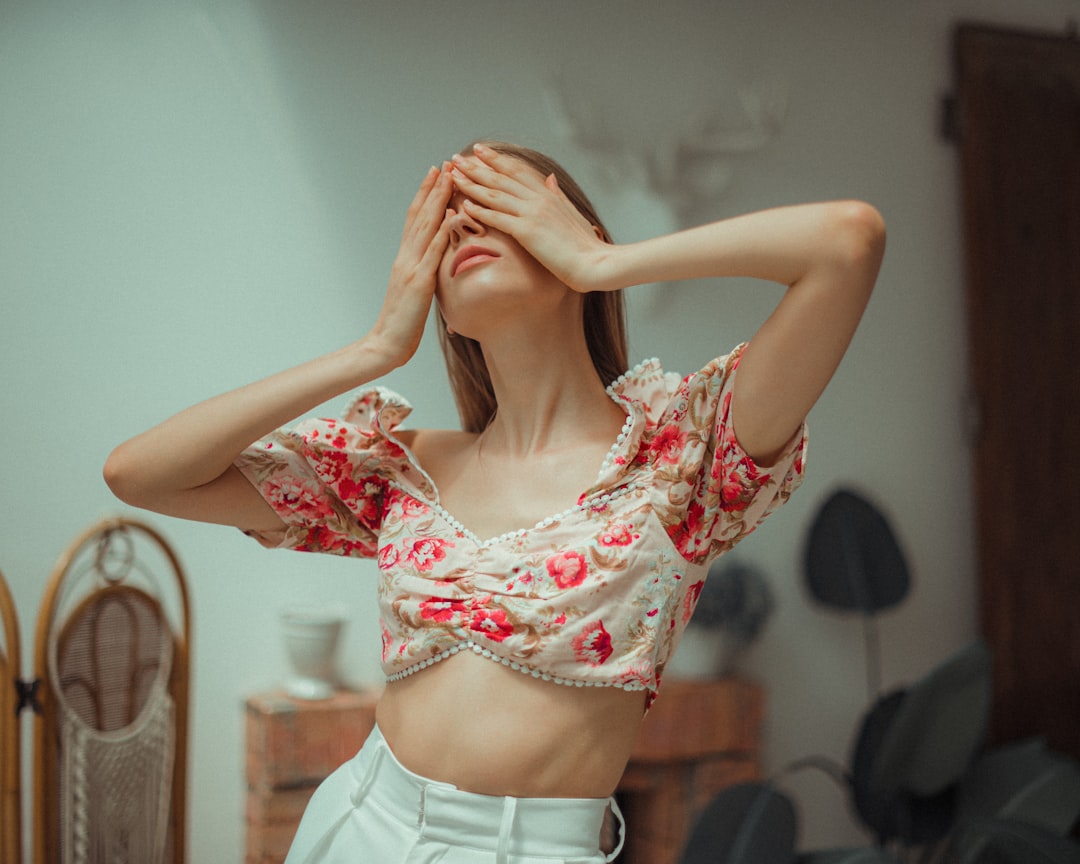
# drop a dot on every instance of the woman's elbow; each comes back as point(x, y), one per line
point(121, 476)
point(857, 233)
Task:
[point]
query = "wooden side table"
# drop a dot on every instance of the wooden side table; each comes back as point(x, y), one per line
point(292, 746)
point(699, 738)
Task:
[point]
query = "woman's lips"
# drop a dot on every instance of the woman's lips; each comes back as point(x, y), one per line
point(470, 256)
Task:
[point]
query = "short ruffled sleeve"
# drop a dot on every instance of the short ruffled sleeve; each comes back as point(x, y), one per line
point(713, 493)
point(327, 478)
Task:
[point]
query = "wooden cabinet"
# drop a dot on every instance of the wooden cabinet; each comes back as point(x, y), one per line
point(292, 746)
point(699, 738)
point(1018, 129)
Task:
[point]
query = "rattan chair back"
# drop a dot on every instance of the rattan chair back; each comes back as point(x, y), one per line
point(111, 647)
point(10, 746)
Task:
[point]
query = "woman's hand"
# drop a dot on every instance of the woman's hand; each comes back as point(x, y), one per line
point(504, 193)
point(400, 324)
point(184, 466)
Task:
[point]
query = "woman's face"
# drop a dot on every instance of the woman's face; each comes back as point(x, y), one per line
point(486, 275)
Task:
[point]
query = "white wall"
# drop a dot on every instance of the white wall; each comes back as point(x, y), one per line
point(196, 194)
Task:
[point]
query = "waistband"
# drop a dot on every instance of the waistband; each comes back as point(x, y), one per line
point(555, 827)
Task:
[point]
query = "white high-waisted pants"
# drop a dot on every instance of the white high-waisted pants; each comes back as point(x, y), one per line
point(373, 810)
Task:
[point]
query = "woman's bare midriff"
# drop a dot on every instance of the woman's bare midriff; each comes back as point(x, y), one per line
point(489, 729)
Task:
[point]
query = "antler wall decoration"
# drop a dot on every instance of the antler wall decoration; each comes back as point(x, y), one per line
point(689, 169)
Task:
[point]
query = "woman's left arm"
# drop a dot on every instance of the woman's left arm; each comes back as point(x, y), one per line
point(827, 254)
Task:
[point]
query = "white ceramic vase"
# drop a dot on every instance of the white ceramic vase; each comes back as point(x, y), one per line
point(311, 639)
point(703, 654)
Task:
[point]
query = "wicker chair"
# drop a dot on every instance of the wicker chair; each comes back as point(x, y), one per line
point(10, 752)
point(110, 743)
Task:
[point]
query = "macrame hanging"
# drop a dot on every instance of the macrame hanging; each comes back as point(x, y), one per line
point(117, 730)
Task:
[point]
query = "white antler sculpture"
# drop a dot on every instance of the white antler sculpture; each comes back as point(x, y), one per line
point(689, 169)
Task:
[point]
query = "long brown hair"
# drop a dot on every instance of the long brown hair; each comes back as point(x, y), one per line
point(604, 318)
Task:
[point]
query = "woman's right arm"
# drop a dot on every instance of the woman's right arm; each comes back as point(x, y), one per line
point(184, 466)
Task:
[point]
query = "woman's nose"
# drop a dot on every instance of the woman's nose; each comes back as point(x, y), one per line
point(463, 226)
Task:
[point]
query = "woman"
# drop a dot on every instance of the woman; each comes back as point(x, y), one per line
point(529, 602)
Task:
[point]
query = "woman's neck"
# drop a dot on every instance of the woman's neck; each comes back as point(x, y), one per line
point(548, 392)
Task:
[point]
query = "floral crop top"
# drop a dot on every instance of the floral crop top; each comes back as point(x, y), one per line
point(598, 595)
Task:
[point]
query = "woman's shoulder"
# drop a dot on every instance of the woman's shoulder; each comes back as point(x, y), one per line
point(434, 444)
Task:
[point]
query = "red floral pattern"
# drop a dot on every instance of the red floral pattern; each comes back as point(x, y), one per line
point(567, 569)
point(425, 552)
point(491, 623)
point(597, 594)
point(620, 534)
point(667, 445)
point(442, 611)
point(693, 594)
point(593, 644)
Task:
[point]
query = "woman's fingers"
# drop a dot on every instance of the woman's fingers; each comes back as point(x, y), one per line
point(503, 164)
point(426, 233)
point(401, 321)
point(514, 198)
point(486, 195)
point(433, 252)
point(417, 204)
point(428, 207)
point(498, 219)
point(497, 180)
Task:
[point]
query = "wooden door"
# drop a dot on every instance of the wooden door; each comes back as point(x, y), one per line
point(1017, 112)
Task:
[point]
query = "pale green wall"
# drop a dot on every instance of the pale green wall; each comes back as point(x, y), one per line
point(195, 194)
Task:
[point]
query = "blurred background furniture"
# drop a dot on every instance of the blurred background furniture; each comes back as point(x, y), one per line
point(919, 783)
point(110, 741)
point(1014, 112)
point(700, 737)
point(292, 746)
point(10, 754)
